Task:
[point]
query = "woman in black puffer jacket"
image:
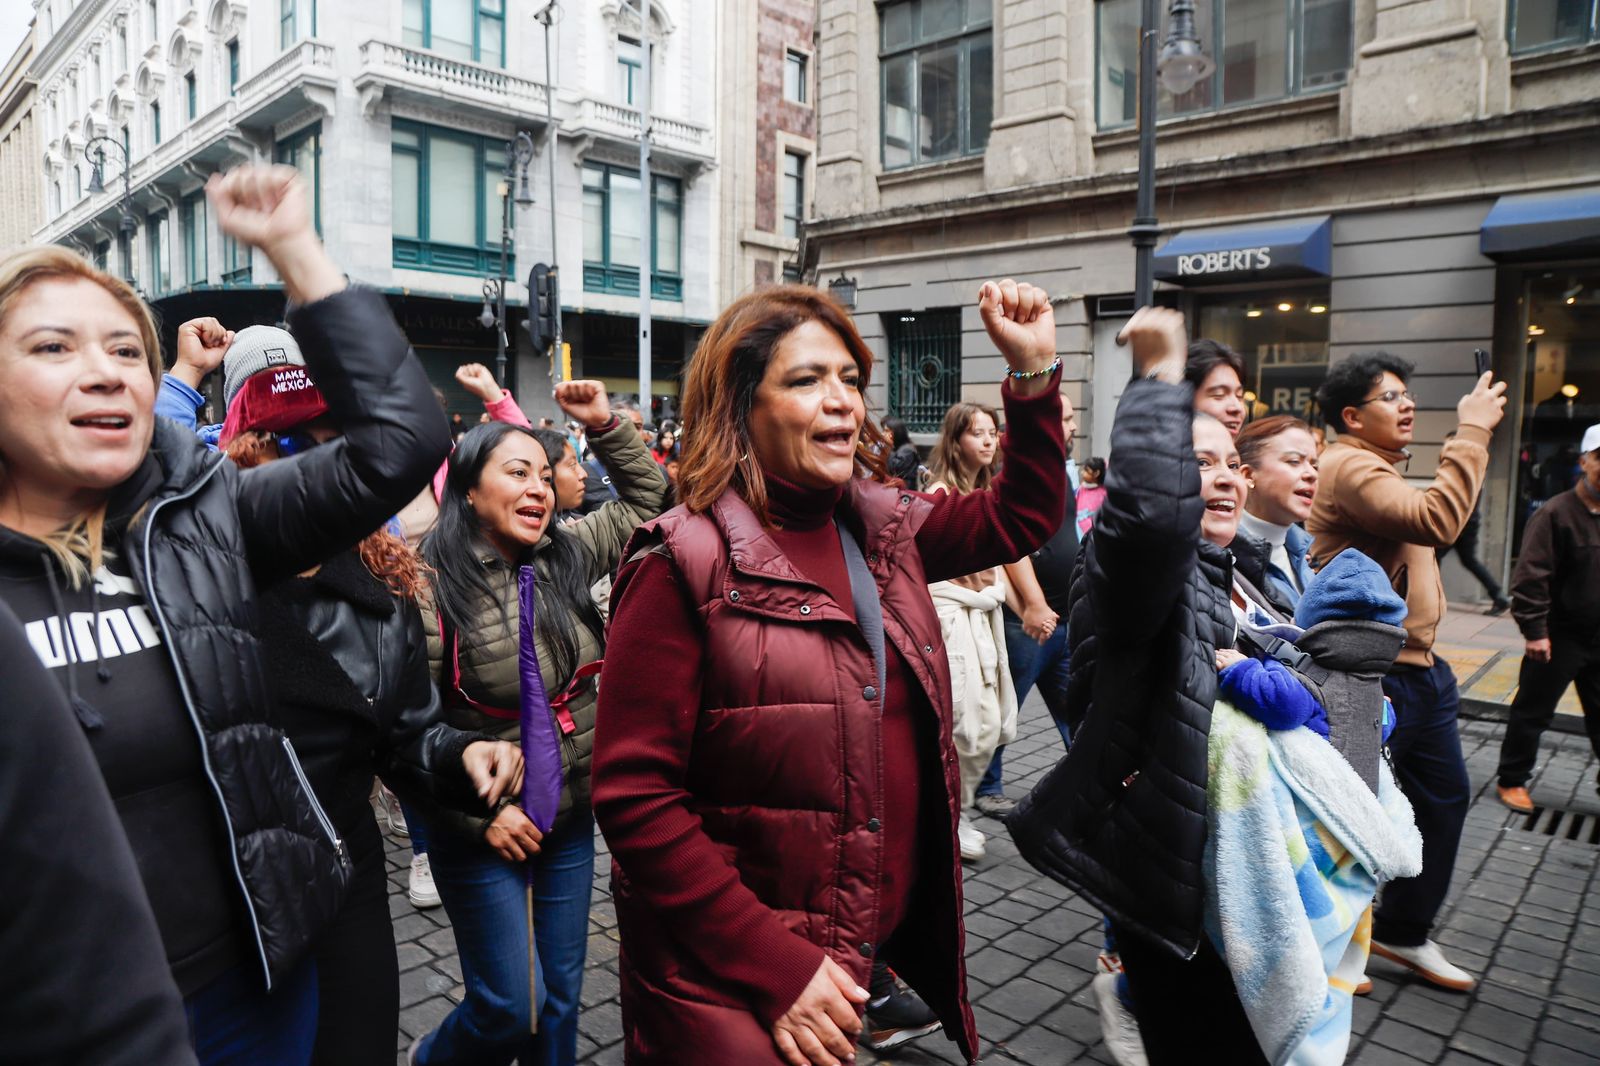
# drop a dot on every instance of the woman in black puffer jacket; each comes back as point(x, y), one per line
point(132, 555)
point(1122, 819)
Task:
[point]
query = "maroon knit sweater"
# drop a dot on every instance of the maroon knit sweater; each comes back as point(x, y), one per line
point(647, 753)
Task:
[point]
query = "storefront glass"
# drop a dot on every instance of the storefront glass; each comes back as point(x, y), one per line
point(1282, 335)
point(1561, 386)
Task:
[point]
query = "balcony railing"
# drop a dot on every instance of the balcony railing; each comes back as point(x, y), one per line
point(309, 57)
point(622, 122)
point(434, 75)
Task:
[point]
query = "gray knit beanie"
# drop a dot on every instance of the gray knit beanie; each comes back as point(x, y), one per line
point(254, 349)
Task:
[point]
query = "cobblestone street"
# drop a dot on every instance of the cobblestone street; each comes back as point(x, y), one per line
point(1523, 915)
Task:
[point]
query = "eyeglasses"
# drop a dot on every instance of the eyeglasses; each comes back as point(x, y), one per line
point(1390, 396)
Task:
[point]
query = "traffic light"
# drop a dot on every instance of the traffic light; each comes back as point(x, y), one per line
point(544, 304)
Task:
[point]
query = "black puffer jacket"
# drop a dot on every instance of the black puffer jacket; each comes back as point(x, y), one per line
point(347, 666)
point(206, 534)
point(1251, 556)
point(1122, 819)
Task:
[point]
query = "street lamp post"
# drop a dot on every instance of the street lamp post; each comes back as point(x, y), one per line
point(95, 153)
point(1182, 64)
point(519, 153)
point(546, 16)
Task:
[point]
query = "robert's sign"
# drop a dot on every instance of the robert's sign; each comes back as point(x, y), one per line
point(1297, 248)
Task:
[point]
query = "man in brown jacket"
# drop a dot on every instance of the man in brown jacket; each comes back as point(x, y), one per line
point(1364, 502)
point(1555, 595)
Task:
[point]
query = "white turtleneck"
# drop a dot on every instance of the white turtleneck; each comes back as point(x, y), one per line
point(1275, 535)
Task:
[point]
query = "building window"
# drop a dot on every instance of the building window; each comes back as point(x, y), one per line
point(630, 67)
point(796, 75)
point(794, 193)
point(155, 124)
point(153, 21)
point(296, 19)
point(55, 198)
point(235, 262)
point(192, 212)
point(1539, 24)
point(156, 234)
point(446, 199)
point(122, 48)
point(191, 95)
point(1264, 50)
point(77, 184)
point(469, 30)
point(303, 151)
point(611, 238)
point(924, 366)
point(127, 145)
point(936, 69)
point(233, 66)
point(791, 273)
point(102, 255)
point(1282, 335)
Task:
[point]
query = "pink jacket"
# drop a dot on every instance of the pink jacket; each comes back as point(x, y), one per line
point(504, 409)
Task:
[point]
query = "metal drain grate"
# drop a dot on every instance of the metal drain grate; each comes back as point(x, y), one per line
point(1582, 827)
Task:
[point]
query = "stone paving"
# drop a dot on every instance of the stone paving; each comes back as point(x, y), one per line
point(1524, 915)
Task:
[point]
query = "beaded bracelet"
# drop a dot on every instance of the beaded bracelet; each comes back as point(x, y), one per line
point(1025, 375)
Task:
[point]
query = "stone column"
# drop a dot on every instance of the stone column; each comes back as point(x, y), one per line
point(1034, 136)
point(847, 108)
point(1430, 63)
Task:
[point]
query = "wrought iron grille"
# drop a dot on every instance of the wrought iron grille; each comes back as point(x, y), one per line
point(924, 366)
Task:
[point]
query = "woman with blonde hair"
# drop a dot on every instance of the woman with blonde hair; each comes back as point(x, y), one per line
point(133, 555)
point(964, 460)
point(773, 765)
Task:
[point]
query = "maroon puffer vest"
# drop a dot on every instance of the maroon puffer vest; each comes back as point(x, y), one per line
point(786, 773)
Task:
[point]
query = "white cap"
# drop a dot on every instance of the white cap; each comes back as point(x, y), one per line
point(1591, 438)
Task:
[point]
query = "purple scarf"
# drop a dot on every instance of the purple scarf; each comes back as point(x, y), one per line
point(541, 747)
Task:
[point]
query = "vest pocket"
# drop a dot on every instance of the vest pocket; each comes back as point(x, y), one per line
point(316, 805)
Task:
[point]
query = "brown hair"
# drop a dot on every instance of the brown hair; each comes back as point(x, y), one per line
point(945, 462)
point(1253, 439)
point(719, 390)
point(386, 557)
point(78, 547)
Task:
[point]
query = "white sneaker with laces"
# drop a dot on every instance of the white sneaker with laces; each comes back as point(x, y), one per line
point(420, 888)
point(1118, 1029)
point(1429, 963)
point(392, 812)
point(971, 840)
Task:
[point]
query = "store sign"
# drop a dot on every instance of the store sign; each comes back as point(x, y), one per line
point(1261, 251)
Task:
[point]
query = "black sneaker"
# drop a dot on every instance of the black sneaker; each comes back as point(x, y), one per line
point(895, 1013)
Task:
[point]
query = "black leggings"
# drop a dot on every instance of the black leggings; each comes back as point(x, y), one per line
point(358, 974)
point(1188, 1011)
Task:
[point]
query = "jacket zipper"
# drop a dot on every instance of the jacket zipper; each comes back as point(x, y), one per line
point(188, 703)
point(316, 806)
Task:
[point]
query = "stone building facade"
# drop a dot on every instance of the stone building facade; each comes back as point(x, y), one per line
point(1421, 176)
point(399, 113)
point(21, 194)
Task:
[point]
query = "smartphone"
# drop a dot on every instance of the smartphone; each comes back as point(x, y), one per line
point(1480, 362)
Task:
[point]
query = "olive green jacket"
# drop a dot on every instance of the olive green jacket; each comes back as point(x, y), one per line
point(490, 671)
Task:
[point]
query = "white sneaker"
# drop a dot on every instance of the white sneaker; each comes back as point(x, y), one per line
point(393, 813)
point(971, 840)
point(419, 886)
point(1118, 1029)
point(1429, 963)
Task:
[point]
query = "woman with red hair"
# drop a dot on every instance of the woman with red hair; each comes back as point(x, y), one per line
point(774, 769)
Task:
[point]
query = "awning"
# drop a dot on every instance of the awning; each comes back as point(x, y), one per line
point(1258, 251)
point(1564, 224)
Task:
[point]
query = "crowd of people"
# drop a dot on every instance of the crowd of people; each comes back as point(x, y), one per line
point(773, 653)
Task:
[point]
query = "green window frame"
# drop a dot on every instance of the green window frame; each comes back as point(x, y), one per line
point(303, 151)
point(605, 269)
point(235, 262)
point(127, 143)
point(924, 366)
point(794, 194)
point(1545, 25)
point(156, 236)
point(191, 92)
point(1314, 47)
point(233, 66)
point(290, 16)
point(630, 62)
point(417, 150)
point(935, 80)
point(423, 25)
point(155, 123)
point(192, 214)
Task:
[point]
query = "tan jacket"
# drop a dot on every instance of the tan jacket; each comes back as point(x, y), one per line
point(1363, 502)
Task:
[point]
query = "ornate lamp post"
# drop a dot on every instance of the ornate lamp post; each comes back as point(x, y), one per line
point(519, 153)
point(95, 153)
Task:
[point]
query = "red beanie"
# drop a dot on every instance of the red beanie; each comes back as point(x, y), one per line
point(278, 398)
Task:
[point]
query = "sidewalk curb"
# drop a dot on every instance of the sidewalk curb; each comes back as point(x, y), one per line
point(1490, 711)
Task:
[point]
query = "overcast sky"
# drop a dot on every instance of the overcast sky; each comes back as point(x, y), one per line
point(14, 18)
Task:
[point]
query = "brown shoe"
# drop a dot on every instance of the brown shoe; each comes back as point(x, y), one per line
point(1516, 798)
point(1364, 988)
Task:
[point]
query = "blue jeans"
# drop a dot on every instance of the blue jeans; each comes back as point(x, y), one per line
point(233, 1021)
point(1032, 664)
point(485, 897)
point(1425, 750)
point(418, 831)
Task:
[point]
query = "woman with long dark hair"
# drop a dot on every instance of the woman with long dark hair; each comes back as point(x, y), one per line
point(497, 515)
point(774, 769)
